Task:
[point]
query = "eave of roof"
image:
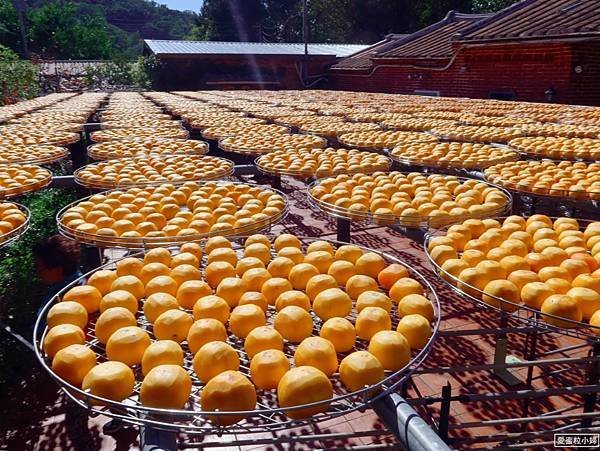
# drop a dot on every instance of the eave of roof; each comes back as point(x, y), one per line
point(426, 44)
point(189, 48)
point(363, 60)
point(538, 20)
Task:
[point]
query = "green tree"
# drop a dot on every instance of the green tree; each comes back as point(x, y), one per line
point(373, 19)
point(433, 11)
point(283, 21)
point(93, 29)
point(330, 20)
point(229, 20)
point(490, 6)
point(57, 30)
point(9, 25)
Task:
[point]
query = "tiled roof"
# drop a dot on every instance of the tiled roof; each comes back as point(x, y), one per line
point(364, 58)
point(159, 47)
point(539, 19)
point(434, 41)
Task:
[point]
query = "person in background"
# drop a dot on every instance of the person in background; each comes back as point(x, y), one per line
point(57, 263)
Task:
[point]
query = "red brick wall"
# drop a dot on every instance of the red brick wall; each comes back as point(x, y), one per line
point(584, 88)
point(527, 70)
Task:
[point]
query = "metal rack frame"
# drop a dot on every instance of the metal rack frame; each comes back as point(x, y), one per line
point(99, 186)
point(15, 234)
point(414, 433)
point(563, 419)
point(267, 416)
point(144, 242)
point(526, 314)
point(409, 226)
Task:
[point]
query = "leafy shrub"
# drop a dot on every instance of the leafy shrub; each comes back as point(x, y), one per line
point(144, 71)
point(18, 78)
point(138, 73)
point(21, 294)
point(20, 290)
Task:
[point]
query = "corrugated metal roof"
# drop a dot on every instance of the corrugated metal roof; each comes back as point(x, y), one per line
point(160, 47)
point(364, 58)
point(539, 19)
point(434, 41)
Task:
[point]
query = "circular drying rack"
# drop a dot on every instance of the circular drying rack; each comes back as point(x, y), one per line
point(408, 222)
point(16, 233)
point(521, 312)
point(149, 242)
point(268, 416)
point(225, 172)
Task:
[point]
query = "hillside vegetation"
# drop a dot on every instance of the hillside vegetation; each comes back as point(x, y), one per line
point(92, 29)
point(114, 29)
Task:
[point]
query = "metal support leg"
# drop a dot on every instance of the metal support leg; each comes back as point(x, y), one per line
point(517, 206)
point(593, 376)
point(445, 412)
point(500, 355)
point(91, 257)
point(530, 352)
point(276, 182)
point(534, 202)
point(412, 431)
point(156, 440)
point(78, 154)
point(343, 230)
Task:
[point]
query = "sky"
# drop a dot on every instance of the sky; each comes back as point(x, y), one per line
point(182, 5)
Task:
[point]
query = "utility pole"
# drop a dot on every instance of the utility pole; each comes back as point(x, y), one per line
point(305, 38)
point(21, 7)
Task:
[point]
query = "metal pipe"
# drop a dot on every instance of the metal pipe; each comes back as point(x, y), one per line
point(245, 169)
point(593, 377)
point(514, 437)
point(565, 349)
point(406, 424)
point(62, 181)
point(507, 421)
point(152, 439)
point(283, 439)
point(520, 394)
point(68, 181)
point(494, 331)
point(492, 366)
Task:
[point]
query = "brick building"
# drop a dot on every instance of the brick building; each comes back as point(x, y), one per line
point(198, 65)
point(534, 50)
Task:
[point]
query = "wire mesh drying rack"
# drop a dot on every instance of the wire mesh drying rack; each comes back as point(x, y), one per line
point(412, 226)
point(223, 172)
point(254, 152)
point(579, 358)
point(16, 233)
point(29, 155)
point(521, 312)
point(311, 176)
point(101, 136)
point(268, 416)
point(458, 169)
point(94, 151)
point(26, 188)
point(222, 132)
point(148, 242)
